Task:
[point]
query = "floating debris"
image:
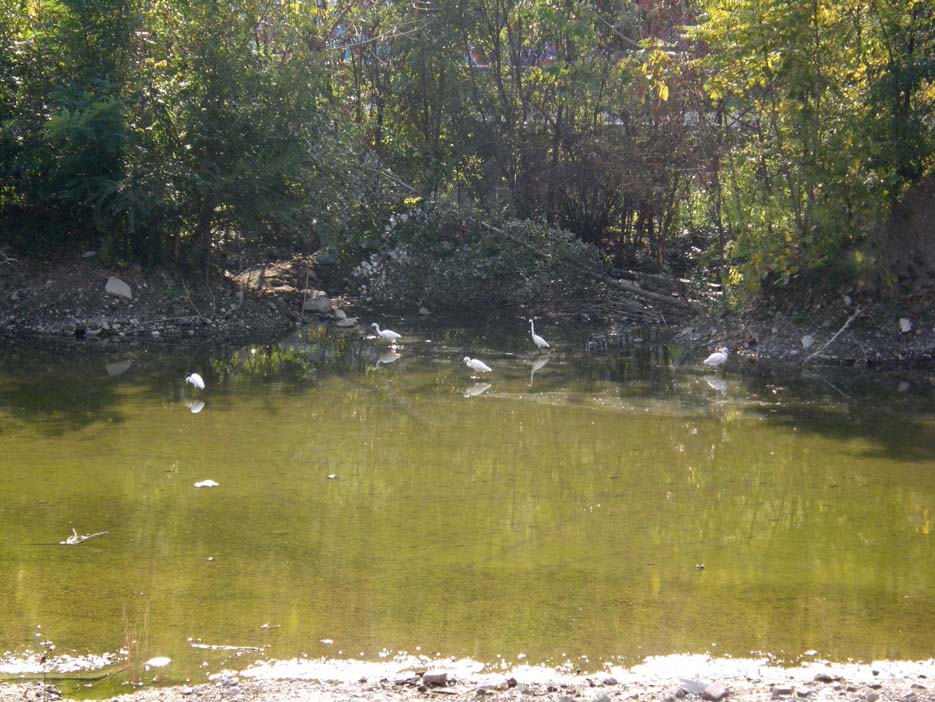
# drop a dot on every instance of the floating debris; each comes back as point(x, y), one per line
point(206, 483)
point(77, 538)
point(222, 647)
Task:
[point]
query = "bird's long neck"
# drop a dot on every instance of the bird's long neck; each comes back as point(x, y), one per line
point(377, 327)
point(532, 327)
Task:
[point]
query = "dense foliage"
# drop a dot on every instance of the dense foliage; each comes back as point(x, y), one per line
point(774, 135)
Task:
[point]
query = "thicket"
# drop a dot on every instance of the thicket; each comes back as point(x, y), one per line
point(773, 136)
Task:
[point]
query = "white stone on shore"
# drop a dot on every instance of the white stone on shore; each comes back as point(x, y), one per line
point(118, 288)
point(905, 325)
point(434, 678)
point(317, 302)
point(715, 692)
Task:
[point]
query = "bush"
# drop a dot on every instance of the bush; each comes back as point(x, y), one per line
point(434, 254)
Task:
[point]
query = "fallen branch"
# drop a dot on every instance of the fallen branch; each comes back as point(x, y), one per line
point(832, 339)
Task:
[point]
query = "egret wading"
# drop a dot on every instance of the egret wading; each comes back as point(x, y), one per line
point(386, 334)
point(536, 339)
point(718, 358)
point(476, 364)
point(196, 380)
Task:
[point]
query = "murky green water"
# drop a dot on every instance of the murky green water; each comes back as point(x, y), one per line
point(561, 514)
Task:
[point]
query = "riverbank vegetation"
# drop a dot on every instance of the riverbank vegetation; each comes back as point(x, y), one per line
point(476, 147)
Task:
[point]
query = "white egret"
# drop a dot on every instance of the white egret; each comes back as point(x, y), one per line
point(386, 334)
point(476, 364)
point(536, 339)
point(196, 380)
point(718, 358)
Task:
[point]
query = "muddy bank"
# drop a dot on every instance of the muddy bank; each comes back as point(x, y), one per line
point(80, 302)
point(836, 330)
point(665, 679)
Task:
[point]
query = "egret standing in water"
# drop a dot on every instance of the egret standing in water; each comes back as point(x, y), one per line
point(536, 339)
point(477, 365)
point(386, 334)
point(196, 380)
point(718, 358)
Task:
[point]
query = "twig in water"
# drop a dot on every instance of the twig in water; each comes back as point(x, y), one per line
point(831, 340)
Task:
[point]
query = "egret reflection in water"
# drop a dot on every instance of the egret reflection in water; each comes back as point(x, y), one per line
point(537, 364)
point(386, 358)
point(195, 405)
point(477, 389)
point(716, 383)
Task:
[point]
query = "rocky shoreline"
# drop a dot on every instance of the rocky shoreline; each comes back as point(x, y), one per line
point(666, 679)
point(83, 303)
point(79, 302)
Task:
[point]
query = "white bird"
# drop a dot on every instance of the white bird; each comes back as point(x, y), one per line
point(386, 334)
point(536, 339)
point(477, 365)
point(196, 380)
point(718, 358)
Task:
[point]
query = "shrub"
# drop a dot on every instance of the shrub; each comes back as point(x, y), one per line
point(434, 254)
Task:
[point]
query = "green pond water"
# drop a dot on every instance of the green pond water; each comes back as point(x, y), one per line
point(561, 514)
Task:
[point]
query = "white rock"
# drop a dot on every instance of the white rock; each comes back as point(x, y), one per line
point(807, 341)
point(715, 691)
point(206, 483)
point(340, 314)
point(118, 368)
point(347, 322)
point(424, 311)
point(847, 300)
point(157, 662)
point(118, 288)
point(318, 302)
point(905, 325)
point(434, 678)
